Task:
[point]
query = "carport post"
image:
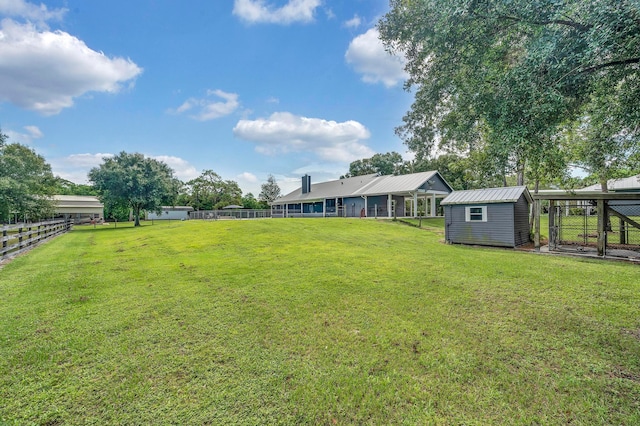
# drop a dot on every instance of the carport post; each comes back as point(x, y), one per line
point(536, 224)
point(602, 227)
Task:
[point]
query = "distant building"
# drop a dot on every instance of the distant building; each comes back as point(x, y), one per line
point(171, 213)
point(79, 208)
point(364, 196)
point(491, 217)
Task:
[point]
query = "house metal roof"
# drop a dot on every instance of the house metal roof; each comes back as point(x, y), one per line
point(509, 194)
point(368, 185)
point(626, 184)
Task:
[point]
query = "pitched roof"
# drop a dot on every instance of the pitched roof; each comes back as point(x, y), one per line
point(361, 185)
point(393, 184)
point(626, 184)
point(77, 201)
point(509, 194)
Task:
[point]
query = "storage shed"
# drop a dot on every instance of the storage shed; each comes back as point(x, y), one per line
point(491, 217)
point(171, 213)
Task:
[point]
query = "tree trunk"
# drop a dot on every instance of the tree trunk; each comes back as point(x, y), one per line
point(136, 216)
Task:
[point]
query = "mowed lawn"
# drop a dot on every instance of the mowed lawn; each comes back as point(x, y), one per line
point(313, 321)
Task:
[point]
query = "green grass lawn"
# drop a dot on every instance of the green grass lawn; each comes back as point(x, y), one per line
point(312, 321)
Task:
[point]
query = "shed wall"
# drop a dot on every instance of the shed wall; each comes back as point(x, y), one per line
point(498, 230)
point(521, 222)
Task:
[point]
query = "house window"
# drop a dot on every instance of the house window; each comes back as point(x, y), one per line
point(476, 214)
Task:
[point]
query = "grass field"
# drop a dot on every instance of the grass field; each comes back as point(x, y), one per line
point(312, 321)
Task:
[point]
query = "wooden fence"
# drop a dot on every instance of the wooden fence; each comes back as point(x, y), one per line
point(22, 237)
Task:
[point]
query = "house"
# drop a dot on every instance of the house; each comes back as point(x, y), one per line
point(364, 196)
point(79, 208)
point(171, 213)
point(491, 217)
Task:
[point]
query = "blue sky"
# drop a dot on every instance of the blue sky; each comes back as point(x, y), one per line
point(246, 88)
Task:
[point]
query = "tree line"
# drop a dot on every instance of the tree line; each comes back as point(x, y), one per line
point(126, 183)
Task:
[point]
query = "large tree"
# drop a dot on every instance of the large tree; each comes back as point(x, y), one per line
point(26, 182)
point(210, 192)
point(270, 190)
point(502, 75)
point(135, 181)
point(389, 163)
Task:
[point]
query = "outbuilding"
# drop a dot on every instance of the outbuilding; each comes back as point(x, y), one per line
point(79, 208)
point(490, 217)
point(171, 213)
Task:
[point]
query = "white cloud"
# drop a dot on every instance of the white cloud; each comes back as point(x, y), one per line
point(182, 168)
point(368, 57)
point(44, 71)
point(32, 12)
point(33, 132)
point(284, 132)
point(208, 109)
point(248, 177)
point(259, 11)
point(75, 167)
point(353, 22)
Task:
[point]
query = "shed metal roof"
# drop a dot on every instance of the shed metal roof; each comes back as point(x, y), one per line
point(509, 194)
point(360, 186)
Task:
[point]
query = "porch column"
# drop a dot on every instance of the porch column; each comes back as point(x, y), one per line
point(324, 208)
point(433, 205)
point(388, 205)
point(415, 204)
point(366, 206)
point(286, 210)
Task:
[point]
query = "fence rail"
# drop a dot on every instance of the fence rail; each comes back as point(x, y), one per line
point(21, 237)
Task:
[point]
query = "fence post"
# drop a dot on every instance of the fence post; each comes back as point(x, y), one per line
point(4, 240)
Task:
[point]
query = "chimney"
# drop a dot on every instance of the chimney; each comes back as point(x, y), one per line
point(306, 184)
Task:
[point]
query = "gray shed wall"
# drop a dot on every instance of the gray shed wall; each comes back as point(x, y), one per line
point(498, 230)
point(521, 222)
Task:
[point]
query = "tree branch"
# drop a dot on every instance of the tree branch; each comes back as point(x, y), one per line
point(611, 64)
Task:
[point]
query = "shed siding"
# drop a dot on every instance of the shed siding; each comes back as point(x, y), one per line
point(521, 221)
point(496, 231)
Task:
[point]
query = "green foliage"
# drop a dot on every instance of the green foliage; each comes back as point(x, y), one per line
point(26, 183)
point(502, 76)
point(66, 187)
point(290, 322)
point(383, 164)
point(135, 182)
point(602, 143)
point(210, 192)
point(269, 191)
point(249, 202)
